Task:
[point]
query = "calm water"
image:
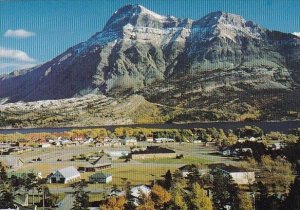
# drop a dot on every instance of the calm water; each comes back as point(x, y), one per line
point(283, 126)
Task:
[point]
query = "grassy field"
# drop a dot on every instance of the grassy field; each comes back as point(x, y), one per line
point(138, 174)
point(185, 160)
point(44, 168)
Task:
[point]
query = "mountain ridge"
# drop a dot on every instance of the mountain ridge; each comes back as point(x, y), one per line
point(139, 50)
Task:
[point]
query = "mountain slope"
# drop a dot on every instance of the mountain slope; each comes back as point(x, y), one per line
point(220, 61)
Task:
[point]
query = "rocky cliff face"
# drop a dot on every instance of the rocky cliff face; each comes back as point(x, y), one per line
point(139, 50)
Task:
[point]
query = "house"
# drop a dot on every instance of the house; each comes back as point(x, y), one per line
point(118, 154)
point(116, 192)
point(129, 141)
point(277, 146)
point(239, 176)
point(252, 138)
point(242, 152)
point(45, 145)
point(100, 178)
point(64, 176)
point(149, 139)
point(105, 161)
point(162, 140)
point(197, 141)
point(225, 152)
point(22, 208)
point(187, 169)
point(11, 174)
point(137, 192)
point(152, 152)
point(11, 162)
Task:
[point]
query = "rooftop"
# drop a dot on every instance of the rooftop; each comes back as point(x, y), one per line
point(231, 169)
point(100, 175)
point(68, 172)
point(153, 150)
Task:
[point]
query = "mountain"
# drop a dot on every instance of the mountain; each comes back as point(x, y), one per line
point(171, 61)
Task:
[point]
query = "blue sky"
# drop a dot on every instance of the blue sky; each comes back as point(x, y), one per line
point(35, 31)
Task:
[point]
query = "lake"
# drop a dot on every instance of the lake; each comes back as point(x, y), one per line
point(267, 126)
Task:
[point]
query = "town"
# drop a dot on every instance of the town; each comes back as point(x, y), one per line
point(100, 169)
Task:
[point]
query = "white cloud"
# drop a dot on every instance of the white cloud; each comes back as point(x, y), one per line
point(11, 59)
point(18, 33)
point(15, 55)
point(297, 34)
point(6, 68)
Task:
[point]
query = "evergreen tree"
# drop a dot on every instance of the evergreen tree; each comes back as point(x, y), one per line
point(262, 197)
point(292, 202)
point(6, 197)
point(81, 201)
point(193, 176)
point(3, 175)
point(225, 191)
point(168, 180)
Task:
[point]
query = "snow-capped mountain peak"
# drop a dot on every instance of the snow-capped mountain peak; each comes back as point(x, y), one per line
point(227, 25)
point(133, 14)
point(138, 47)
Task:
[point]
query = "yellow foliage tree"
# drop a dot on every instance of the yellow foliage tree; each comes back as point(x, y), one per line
point(178, 199)
point(245, 201)
point(200, 200)
point(147, 205)
point(114, 203)
point(160, 196)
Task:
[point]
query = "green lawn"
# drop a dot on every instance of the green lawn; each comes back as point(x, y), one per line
point(184, 160)
point(141, 174)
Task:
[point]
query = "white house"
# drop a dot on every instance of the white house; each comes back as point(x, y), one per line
point(118, 154)
point(45, 145)
point(277, 146)
point(129, 141)
point(138, 191)
point(162, 140)
point(64, 175)
point(239, 176)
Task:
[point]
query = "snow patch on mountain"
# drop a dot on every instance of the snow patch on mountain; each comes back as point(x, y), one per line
point(297, 34)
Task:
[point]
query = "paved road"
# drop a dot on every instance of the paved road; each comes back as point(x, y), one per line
point(66, 203)
point(70, 190)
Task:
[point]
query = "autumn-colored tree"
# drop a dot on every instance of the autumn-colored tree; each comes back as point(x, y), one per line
point(199, 200)
point(245, 202)
point(147, 204)
point(221, 138)
point(277, 174)
point(160, 196)
point(178, 197)
point(114, 203)
point(230, 140)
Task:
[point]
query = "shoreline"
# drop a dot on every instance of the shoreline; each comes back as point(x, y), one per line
point(283, 126)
